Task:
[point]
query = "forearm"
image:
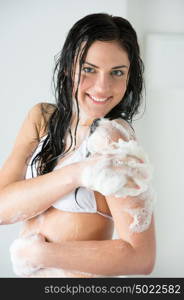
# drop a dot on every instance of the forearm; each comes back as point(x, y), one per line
point(23, 199)
point(111, 257)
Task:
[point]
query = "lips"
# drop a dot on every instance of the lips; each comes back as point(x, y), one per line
point(98, 100)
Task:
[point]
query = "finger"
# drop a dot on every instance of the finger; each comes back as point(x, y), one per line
point(133, 157)
point(131, 184)
point(41, 237)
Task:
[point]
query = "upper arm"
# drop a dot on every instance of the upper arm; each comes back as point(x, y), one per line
point(125, 210)
point(122, 129)
point(15, 166)
point(106, 135)
point(116, 129)
point(133, 216)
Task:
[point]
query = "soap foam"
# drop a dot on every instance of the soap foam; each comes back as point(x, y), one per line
point(21, 265)
point(142, 216)
point(120, 161)
point(61, 273)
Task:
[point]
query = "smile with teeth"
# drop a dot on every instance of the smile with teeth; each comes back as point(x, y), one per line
point(98, 99)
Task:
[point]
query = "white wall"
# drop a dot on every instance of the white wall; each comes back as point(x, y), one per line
point(149, 16)
point(160, 26)
point(32, 32)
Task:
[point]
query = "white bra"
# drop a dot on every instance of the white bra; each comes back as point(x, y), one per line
point(84, 201)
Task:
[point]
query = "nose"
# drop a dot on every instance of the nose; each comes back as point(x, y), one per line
point(103, 84)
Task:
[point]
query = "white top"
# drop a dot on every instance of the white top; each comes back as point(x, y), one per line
point(85, 201)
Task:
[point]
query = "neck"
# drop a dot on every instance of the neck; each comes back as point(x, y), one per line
point(86, 122)
point(84, 119)
point(82, 128)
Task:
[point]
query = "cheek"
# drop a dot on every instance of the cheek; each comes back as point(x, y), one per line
point(85, 84)
point(121, 88)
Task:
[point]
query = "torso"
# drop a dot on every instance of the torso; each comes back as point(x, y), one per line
point(58, 226)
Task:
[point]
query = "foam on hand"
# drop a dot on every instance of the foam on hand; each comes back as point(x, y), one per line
point(121, 160)
point(21, 264)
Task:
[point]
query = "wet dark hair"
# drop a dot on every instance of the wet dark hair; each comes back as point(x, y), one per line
point(91, 28)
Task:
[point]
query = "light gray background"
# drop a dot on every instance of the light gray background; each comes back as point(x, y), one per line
point(32, 32)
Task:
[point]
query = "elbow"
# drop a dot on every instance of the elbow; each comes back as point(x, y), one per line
point(146, 266)
point(2, 222)
point(139, 261)
point(8, 214)
point(6, 218)
point(2, 218)
point(143, 261)
point(5, 221)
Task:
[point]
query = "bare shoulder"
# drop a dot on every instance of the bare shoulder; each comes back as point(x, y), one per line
point(115, 129)
point(125, 126)
point(39, 116)
point(28, 137)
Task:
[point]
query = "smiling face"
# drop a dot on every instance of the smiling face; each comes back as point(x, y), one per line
point(104, 79)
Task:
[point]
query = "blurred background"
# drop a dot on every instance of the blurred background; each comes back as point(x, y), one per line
point(33, 32)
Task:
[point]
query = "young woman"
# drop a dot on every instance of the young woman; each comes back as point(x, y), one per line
point(68, 224)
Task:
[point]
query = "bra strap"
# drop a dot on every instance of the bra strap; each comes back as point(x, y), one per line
point(105, 215)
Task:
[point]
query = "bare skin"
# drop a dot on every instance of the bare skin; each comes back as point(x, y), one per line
point(76, 241)
point(73, 226)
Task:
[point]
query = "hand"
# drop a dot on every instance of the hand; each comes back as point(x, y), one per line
point(112, 174)
point(117, 164)
point(25, 254)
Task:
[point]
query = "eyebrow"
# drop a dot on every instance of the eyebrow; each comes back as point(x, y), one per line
point(116, 67)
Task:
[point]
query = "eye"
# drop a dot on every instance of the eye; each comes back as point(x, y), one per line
point(117, 73)
point(88, 70)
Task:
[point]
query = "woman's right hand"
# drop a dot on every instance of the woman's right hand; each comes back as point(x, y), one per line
point(117, 164)
point(111, 174)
